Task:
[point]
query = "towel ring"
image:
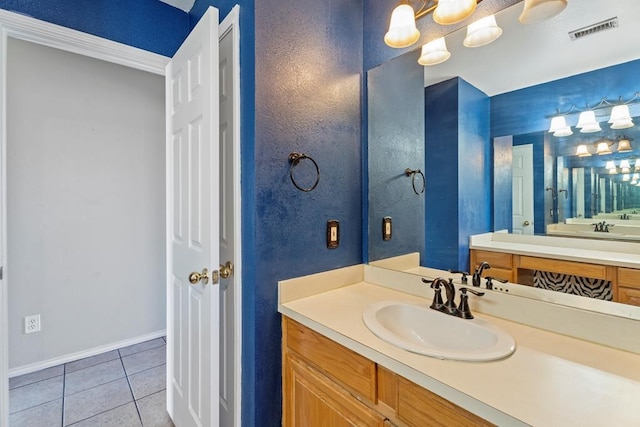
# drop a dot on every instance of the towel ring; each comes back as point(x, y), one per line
point(412, 173)
point(296, 158)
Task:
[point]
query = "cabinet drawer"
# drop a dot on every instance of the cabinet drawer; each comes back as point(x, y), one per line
point(495, 259)
point(420, 407)
point(565, 267)
point(629, 277)
point(499, 273)
point(341, 364)
point(629, 296)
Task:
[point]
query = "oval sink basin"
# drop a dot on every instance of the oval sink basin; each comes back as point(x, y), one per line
point(422, 330)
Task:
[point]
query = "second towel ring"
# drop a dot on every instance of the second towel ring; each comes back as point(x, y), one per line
point(412, 173)
point(294, 159)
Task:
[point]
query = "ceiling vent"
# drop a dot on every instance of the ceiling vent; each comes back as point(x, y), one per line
point(595, 28)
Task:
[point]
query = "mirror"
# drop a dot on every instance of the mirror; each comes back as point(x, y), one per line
point(511, 84)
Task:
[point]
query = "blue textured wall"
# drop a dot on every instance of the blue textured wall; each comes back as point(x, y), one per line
point(441, 152)
point(396, 142)
point(308, 90)
point(458, 152)
point(147, 24)
point(474, 167)
point(525, 113)
point(526, 110)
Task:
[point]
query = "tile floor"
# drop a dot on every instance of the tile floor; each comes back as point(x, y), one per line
point(123, 388)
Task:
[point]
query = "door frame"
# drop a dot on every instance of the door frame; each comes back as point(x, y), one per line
point(231, 24)
point(32, 30)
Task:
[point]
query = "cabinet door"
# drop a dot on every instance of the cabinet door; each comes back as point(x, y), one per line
point(420, 407)
point(629, 296)
point(311, 400)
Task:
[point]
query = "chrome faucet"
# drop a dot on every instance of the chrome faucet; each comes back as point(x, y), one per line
point(477, 275)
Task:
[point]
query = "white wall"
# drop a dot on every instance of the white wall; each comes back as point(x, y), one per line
point(86, 202)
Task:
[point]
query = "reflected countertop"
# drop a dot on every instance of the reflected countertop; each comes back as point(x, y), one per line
point(596, 251)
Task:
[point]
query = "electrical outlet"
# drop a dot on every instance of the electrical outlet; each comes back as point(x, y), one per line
point(32, 324)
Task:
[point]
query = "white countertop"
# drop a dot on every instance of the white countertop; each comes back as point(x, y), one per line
point(603, 252)
point(550, 380)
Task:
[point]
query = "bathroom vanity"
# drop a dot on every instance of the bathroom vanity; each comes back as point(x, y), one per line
point(515, 257)
point(336, 370)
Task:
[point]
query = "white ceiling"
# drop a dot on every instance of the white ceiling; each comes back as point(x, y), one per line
point(185, 5)
point(526, 55)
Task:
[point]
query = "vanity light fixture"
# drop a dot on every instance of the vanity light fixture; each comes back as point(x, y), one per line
point(624, 145)
point(610, 165)
point(434, 52)
point(637, 165)
point(613, 171)
point(634, 178)
point(587, 122)
point(559, 126)
point(540, 10)
point(620, 117)
point(482, 32)
point(402, 25)
point(582, 151)
point(449, 12)
point(603, 146)
point(625, 167)
point(626, 177)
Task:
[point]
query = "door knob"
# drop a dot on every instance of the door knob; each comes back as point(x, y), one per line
point(196, 277)
point(226, 270)
point(526, 223)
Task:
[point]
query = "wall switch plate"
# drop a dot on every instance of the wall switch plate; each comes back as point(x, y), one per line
point(32, 324)
point(386, 228)
point(333, 233)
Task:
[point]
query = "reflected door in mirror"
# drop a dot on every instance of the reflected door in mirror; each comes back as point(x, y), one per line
point(522, 189)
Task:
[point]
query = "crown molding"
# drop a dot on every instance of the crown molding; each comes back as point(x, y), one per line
point(56, 36)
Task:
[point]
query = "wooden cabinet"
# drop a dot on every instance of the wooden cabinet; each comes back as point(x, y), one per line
point(629, 286)
point(420, 407)
point(501, 264)
point(326, 384)
point(625, 282)
point(312, 399)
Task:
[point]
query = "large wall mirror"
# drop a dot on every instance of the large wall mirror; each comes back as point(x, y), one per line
point(518, 84)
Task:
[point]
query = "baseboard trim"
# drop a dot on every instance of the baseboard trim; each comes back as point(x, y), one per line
point(33, 367)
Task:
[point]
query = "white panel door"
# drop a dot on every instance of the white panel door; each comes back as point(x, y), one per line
point(522, 189)
point(192, 227)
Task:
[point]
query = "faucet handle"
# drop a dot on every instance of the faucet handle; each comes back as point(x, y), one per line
point(463, 309)
point(489, 283)
point(464, 291)
point(464, 275)
point(437, 303)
